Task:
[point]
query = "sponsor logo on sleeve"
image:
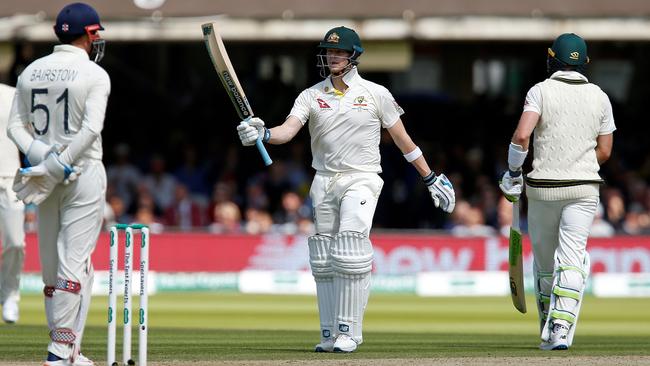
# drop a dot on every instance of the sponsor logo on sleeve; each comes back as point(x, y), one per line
point(397, 107)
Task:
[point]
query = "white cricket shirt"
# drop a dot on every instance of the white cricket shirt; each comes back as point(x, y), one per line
point(61, 99)
point(345, 128)
point(9, 158)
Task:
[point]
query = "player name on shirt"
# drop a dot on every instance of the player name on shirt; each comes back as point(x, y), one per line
point(54, 75)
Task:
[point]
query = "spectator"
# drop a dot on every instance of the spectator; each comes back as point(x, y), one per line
point(469, 221)
point(123, 176)
point(184, 214)
point(227, 219)
point(258, 222)
point(160, 183)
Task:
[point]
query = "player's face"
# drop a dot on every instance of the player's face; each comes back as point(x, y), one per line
point(337, 60)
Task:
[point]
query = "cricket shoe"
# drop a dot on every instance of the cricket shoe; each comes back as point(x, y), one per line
point(80, 360)
point(344, 344)
point(558, 339)
point(325, 345)
point(10, 311)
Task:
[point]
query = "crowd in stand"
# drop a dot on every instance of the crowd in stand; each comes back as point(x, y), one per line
point(276, 199)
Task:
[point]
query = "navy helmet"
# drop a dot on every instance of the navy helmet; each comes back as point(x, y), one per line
point(76, 19)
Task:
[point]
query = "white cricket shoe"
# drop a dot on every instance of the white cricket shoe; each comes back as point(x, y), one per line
point(558, 339)
point(325, 345)
point(345, 344)
point(10, 311)
point(82, 360)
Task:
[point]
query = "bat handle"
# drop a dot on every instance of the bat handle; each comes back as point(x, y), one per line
point(262, 150)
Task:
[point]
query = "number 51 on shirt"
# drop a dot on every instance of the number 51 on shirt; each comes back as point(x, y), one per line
point(226, 72)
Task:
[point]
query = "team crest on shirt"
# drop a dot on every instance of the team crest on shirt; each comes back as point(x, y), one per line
point(322, 104)
point(360, 101)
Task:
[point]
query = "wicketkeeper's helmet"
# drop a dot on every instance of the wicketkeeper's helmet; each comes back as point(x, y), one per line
point(74, 18)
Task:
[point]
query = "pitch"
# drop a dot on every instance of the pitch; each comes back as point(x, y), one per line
point(205, 329)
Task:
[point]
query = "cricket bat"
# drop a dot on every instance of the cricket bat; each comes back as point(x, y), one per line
point(226, 72)
point(515, 262)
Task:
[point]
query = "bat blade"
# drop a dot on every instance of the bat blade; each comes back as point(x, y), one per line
point(226, 72)
point(515, 263)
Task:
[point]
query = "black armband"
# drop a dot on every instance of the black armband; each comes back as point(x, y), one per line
point(267, 135)
point(429, 179)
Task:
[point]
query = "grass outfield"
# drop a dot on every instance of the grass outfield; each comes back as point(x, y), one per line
point(206, 327)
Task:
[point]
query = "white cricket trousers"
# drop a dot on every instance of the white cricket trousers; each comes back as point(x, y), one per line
point(558, 232)
point(12, 221)
point(70, 220)
point(344, 201)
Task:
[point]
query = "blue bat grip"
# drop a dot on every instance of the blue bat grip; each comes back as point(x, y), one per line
point(261, 148)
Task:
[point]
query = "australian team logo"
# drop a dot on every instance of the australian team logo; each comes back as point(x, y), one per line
point(360, 101)
point(333, 38)
point(322, 104)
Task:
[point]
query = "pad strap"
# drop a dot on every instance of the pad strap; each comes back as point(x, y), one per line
point(63, 335)
point(48, 291)
point(67, 285)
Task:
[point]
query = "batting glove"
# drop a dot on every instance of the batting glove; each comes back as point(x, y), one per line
point(251, 130)
point(511, 184)
point(442, 192)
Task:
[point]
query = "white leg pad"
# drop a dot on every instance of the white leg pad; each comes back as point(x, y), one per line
point(352, 263)
point(543, 286)
point(84, 306)
point(321, 269)
point(568, 287)
point(587, 270)
point(65, 305)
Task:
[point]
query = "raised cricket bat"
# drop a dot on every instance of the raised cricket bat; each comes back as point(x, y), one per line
point(515, 262)
point(226, 72)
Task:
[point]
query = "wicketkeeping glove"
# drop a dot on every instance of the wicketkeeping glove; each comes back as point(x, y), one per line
point(35, 184)
point(442, 192)
point(511, 185)
point(251, 130)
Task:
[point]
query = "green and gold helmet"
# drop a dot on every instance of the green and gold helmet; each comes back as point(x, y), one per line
point(570, 49)
point(344, 39)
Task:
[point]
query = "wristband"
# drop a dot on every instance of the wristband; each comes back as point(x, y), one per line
point(429, 179)
point(413, 155)
point(267, 135)
point(516, 156)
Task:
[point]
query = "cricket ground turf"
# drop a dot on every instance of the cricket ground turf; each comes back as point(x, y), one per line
point(205, 329)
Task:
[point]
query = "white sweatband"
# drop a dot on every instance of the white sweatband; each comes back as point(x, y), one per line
point(413, 155)
point(516, 156)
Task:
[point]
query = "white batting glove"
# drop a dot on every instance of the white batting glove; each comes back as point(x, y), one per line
point(442, 192)
point(251, 130)
point(511, 185)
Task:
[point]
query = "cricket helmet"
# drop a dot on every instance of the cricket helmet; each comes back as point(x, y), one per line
point(570, 49)
point(76, 19)
point(342, 38)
